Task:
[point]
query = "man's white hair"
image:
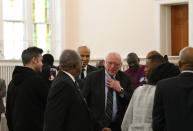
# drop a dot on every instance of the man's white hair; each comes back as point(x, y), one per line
point(112, 52)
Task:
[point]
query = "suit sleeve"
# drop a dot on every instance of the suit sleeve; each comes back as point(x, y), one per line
point(58, 105)
point(158, 111)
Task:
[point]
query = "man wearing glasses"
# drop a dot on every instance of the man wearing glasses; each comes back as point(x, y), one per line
point(108, 92)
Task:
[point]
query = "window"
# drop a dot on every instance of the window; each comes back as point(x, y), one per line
point(41, 26)
point(13, 28)
point(25, 23)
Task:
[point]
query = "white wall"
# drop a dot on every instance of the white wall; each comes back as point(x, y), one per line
point(121, 25)
point(1, 31)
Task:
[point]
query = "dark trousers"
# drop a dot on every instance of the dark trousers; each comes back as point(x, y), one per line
point(115, 126)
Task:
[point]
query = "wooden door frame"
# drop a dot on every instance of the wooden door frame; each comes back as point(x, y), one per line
point(163, 23)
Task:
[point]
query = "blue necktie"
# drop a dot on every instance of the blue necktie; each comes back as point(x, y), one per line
point(109, 107)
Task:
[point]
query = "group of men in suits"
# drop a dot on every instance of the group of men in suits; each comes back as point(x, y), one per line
point(96, 85)
point(105, 95)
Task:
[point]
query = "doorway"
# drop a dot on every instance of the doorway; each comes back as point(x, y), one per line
point(179, 28)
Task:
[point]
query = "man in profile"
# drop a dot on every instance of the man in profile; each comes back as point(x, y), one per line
point(84, 53)
point(108, 92)
point(66, 109)
point(27, 94)
point(173, 102)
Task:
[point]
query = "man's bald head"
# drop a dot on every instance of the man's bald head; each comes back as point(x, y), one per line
point(186, 58)
point(84, 52)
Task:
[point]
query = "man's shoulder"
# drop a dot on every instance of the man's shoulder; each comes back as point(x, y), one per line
point(90, 67)
point(145, 88)
point(61, 82)
point(169, 80)
point(168, 83)
point(123, 74)
point(96, 73)
point(62, 78)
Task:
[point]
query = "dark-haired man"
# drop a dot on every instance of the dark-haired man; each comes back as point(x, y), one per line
point(48, 69)
point(27, 94)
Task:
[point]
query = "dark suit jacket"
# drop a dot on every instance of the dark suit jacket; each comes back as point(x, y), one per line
point(66, 109)
point(173, 104)
point(90, 69)
point(81, 81)
point(94, 92)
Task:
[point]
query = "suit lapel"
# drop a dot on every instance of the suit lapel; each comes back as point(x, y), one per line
point(88, 69)
point(76, 91)
point(79, 94)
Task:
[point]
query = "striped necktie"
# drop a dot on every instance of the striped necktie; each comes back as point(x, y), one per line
point(109, 107)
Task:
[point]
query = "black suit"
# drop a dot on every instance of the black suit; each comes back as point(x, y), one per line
point(173, 104)
point(90, 69)
point(94, 92)
point(66, 109)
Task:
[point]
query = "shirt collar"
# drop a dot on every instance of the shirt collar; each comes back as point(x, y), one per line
point(185, 71)
point(107, 75)
point(85, 68)
point(72, 77)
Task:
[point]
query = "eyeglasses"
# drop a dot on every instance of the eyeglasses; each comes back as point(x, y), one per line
point(113, 63)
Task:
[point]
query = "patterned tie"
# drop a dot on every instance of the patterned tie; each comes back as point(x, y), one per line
point(82, 73)
point(109, 107)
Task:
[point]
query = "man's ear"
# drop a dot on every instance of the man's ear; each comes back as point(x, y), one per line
point(34, 60)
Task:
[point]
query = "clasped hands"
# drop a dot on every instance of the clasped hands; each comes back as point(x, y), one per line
point(114, 84)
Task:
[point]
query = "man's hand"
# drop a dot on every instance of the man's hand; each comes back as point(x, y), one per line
point(115, 84)
point(106, 129)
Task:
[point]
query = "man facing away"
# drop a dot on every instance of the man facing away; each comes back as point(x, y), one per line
point(107, 92)
point(67, 109)
point(173, 102)
point(27, 94)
